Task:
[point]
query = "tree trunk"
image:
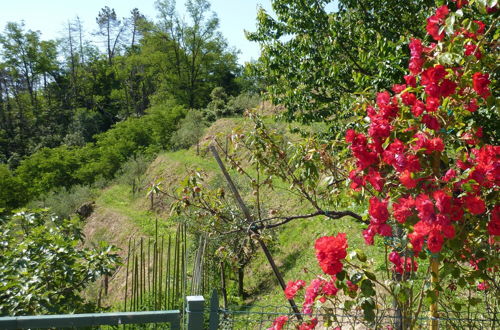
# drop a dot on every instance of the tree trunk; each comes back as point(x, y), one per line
point(241, 276)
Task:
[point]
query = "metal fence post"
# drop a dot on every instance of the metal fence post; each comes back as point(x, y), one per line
point(213, 323)
point(195, 306)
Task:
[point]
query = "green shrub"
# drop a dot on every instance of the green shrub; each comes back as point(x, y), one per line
point(132, 172)
point(190, 130)
point(63, 202)
point(11, 189)
point(49, 168)
point(43, 268)
point(238, 104)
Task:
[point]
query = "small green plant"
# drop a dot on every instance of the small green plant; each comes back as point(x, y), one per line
point(43, 269)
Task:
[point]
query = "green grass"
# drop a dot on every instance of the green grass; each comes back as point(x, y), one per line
point(119, 198)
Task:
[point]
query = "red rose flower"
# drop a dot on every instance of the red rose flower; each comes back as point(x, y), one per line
point(471, 49)
point(278, 323)
point(408, 98)
point(418, 108)
point(378, 210)
point(329, 251)
point(480, 83)
point(435, 241)
point(443, 201)
point(474, 204)
point(402, 209)
point(425, 208)
point(292, 288)
point(432, 104)
point(431, 122)
point(406, 179)
point(375, 179)
point(411, 80)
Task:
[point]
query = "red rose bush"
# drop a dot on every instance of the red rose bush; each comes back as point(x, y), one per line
point(431, 176)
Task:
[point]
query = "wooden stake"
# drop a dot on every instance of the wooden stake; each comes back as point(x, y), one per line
point(434, 306)
point(249, 220)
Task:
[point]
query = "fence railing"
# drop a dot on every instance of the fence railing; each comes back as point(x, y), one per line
point(262, 316)
point(87, 320)
point(239, 317)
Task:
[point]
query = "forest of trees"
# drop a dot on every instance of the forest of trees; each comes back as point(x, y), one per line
point(59, 98)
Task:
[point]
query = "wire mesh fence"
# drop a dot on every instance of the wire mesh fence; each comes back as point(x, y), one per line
point(262, 317)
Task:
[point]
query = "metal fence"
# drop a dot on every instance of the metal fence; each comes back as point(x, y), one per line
point(262, 317)
point(199, 316)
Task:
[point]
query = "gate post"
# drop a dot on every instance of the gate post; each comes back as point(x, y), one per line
point(214, 311)
point(194, 309)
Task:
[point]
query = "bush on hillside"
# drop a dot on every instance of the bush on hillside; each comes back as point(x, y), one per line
point(43, 268)
point(190, 130)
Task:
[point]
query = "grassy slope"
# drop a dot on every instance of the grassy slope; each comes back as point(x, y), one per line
point(293, 247)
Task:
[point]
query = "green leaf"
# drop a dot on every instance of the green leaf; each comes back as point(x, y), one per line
point(361, 255)
point(367, 288)
point(370, 275)
point(368, 310)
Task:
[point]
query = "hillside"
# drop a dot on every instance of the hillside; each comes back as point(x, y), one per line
point(120, 215)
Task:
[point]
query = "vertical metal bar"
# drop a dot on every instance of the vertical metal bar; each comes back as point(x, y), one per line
point(167, 279)
point(141, 271)
point(213, 323)
point(195, 306)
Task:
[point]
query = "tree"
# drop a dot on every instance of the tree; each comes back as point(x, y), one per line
point(313, 67)
point(12, 194)
point(200, 58)
point(43, 268)
point(111, 28)
point(190, 131)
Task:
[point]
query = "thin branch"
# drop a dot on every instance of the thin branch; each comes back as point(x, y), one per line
point(329, 214)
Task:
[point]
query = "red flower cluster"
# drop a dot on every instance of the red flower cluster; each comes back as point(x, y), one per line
point(308, 325)
point(318, 288)
point(480, 83)
point(436, 85)
point(416, 60)
point(330, 250)
point(435, 21)
point(278, 323)
point(379, 214)
point(292, 288)
point(402, 264)
point(435, 219)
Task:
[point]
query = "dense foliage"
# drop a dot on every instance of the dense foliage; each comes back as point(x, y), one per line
point(316, 59)
point(66, 91)
point(43, 268)
point(432, 183)
point(66, 166)
point(419, 157)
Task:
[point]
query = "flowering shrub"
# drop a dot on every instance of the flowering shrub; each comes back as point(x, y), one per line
point(433, 181)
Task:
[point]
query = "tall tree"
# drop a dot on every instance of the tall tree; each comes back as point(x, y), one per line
point(111, 28)
point(201, 57)
point(314, 65)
